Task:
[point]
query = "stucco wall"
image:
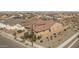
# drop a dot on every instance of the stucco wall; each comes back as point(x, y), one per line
point(54, 29)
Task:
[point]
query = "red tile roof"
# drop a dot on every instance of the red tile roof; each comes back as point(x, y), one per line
point(43, 25)
point(39, 25)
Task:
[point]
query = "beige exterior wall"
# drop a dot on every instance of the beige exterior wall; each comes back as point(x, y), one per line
point(54, 29)
point(44, 33)
point(57, 28)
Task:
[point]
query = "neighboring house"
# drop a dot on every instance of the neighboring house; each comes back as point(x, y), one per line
point(15, 27)
point(49, 30)
point(44, 28)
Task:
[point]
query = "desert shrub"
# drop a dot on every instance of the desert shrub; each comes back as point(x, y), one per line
point(19, 31)
point(41, 41)
point(39, 37)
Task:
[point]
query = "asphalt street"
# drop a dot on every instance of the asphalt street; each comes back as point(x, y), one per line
point(69, 40)
point(76, 45)
point(7, 43)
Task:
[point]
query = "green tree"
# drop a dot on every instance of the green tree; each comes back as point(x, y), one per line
point(26, 35)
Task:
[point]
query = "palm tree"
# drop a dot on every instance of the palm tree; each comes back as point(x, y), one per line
point(14, 35)
point(51, 37)
point(30, 35)
point(33, 39)
point(78, 36)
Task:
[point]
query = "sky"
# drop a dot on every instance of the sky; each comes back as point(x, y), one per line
point(39, 5)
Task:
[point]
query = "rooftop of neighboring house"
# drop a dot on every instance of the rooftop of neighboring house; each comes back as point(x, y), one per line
point(38, 25)
point(3, 16)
